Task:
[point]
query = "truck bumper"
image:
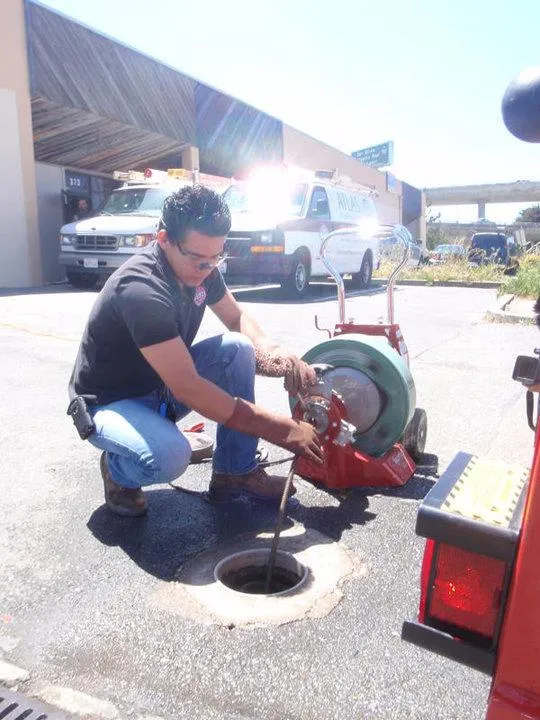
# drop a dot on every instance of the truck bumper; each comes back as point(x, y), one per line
point(260, 266)
point(92, 263)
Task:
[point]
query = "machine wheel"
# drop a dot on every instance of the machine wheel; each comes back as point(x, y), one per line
point(298, 281)
point(82, 281)
point(362, 279)
point(414, 437)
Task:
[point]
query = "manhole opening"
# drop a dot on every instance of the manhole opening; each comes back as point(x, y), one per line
point(245, 572)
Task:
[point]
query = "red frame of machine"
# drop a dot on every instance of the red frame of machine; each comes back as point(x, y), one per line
point(515, 691)
point(346, 467)
point(391, 332)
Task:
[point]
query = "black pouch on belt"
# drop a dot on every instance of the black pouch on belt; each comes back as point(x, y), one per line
point(82, 419)
point(166, 404)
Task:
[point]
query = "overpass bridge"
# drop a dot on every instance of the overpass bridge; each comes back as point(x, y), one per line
point(481, 195)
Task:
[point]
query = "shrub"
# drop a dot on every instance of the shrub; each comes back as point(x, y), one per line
point(527, 280)
point(457, 270)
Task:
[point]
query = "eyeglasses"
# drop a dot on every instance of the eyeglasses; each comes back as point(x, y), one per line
point(200, 264)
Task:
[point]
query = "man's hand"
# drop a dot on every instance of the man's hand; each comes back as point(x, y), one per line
point(295, 435)
point(299, 377)
point(302, 440)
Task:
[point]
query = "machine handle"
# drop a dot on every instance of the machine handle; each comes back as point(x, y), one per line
point(380, 232)
point(405, 238)
point(334, 273)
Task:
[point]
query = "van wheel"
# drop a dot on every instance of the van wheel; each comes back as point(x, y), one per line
point(298, 281)
point(362, 279)
point(82, 281)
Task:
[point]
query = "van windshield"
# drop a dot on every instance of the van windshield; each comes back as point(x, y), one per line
point(253, 197)
point(135, 201)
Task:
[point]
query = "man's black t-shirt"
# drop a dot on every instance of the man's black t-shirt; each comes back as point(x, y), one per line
point(141, 304)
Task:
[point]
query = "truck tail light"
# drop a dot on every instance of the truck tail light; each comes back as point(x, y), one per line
point(471, 519)
point(462, 591)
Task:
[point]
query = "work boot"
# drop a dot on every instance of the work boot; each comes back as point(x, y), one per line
point(257, 484)
point(129, 502)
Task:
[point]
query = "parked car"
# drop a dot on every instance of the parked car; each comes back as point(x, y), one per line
point(444, 253)
point(491, 247)
point(391, 249)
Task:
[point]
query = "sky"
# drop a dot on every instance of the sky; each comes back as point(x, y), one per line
point(427, 74)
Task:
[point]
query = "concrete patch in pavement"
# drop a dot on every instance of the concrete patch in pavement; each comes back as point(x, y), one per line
point(76, 703)
point(196, 594)
point(11, 675)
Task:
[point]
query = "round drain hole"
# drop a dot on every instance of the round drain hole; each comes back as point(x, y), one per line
point(246, 571)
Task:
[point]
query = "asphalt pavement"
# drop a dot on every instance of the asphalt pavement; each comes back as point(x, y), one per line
point(79, 586)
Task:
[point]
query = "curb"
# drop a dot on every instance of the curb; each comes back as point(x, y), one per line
point(500, 314)
point(446, 283)
point(509, 318)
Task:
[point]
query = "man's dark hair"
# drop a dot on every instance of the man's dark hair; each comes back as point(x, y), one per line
point(194, 208)
point(537, 311)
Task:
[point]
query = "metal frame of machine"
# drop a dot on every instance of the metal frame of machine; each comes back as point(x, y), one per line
point(345, 466)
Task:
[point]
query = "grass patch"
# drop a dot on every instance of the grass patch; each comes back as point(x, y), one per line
point(452, 271)
point(527, 281)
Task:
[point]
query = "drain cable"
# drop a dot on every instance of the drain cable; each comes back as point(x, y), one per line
point(262, 463)
point(279, 526)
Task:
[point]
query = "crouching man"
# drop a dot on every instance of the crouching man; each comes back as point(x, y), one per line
point(138, 372)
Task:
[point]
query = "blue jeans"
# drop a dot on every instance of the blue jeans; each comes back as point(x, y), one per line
point(144, 448)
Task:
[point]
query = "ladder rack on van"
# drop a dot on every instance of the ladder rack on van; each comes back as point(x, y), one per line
point(333, 177)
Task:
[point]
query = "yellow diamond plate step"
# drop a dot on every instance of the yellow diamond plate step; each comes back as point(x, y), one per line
point(487, 490)
point(477, 504)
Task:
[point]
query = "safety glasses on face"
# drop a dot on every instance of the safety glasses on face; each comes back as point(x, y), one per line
point(199, 263)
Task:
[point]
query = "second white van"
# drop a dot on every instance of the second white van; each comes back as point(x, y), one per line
point(280, 218)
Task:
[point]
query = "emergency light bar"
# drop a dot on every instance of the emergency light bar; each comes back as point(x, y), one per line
point(155, 175)
point(150, 175)
point(129, 176)
point(472, 520)
point(135, 176)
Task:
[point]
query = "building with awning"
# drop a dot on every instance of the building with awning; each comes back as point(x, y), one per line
point(78, 105)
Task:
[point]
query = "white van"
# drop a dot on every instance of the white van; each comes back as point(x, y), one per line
point(97, 246)
point(280, 216)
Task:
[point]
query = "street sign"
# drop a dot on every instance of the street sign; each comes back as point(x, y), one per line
point(377, 155)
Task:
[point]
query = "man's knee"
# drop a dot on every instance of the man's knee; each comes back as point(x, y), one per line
point(166, 464)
